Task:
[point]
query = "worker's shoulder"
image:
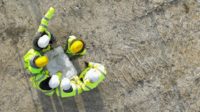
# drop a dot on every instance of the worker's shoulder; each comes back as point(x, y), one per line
point(32, 52)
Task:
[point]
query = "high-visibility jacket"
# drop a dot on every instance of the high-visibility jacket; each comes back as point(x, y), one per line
point(73, 91)
point(43, 30)
point(70, 40)
point(87, 85)
point(29, 61)
point(41, 82)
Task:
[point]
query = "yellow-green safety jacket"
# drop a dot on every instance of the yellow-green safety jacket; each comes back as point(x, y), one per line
point(41, 82)
point(73, 91)
point(29, 61)
point(86, 85)
point(43, 30)
point(70, 40)
point(45, 20)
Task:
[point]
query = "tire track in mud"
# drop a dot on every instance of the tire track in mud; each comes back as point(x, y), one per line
point(14, 41)
point(26, 77)
point(60, 102)
point(78, 99)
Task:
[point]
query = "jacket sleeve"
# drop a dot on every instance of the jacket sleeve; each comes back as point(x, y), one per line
point(45, 20)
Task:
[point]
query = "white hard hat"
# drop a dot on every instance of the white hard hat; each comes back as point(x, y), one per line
point(92, 75)
point(54, 81)
point(65, 84)
point(43, 41)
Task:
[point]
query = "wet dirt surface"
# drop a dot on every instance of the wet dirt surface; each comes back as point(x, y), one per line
point(151, 49)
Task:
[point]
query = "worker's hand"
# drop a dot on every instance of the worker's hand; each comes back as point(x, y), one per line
point(50, 13)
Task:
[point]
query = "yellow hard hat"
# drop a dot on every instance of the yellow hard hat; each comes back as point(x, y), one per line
point(76, 46)
point(41, 61)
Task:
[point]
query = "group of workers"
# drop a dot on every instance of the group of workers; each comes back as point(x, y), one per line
point(35, 62)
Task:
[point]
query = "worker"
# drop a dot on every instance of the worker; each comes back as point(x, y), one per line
point(46, 83)
point(44, 39)
point(68, 88)
point(34, 62)
point(92, 76)
point(75, 47)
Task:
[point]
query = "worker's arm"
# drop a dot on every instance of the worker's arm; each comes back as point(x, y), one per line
point(43, 29)
point(45, 21)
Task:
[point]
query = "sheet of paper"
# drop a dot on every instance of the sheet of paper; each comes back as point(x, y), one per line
point(59, 61)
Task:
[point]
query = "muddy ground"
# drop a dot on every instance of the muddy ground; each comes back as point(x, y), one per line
point(151, 49)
